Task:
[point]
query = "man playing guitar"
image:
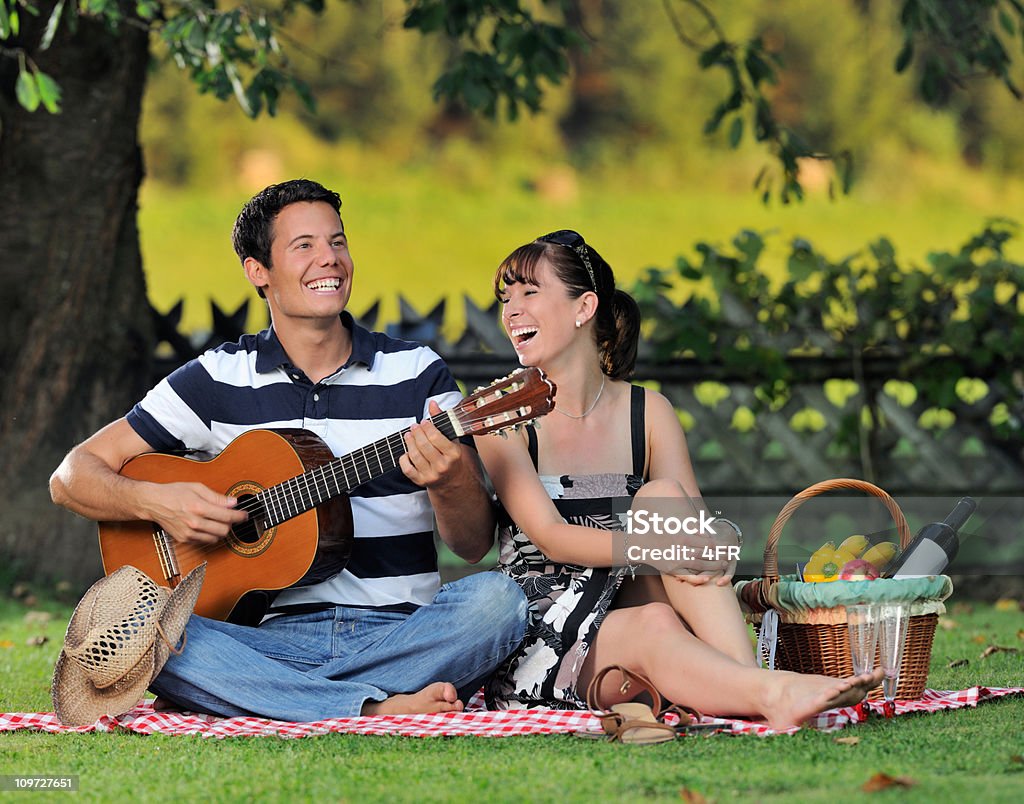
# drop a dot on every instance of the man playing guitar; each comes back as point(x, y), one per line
point(381, 635)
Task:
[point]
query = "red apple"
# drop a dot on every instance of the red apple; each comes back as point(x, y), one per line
point(858, 570)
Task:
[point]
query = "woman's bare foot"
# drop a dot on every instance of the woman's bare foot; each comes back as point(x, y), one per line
point(792, 698)
point(437, 697)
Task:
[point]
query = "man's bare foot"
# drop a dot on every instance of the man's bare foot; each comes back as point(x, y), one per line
point(795, 697)
point(165, 705)
point(437, 697)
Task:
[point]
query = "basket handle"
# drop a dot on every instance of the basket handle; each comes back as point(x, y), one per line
point(771, 559)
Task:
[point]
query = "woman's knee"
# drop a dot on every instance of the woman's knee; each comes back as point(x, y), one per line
point(662, 487)
point(635, 637)
point(650, 619)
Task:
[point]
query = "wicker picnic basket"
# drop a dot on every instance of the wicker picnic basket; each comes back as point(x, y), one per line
point(808, 633)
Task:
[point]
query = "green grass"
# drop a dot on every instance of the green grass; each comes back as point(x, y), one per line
point(438, 230)
point(969, 754)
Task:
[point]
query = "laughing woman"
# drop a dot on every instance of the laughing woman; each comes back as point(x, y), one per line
point(607, 439)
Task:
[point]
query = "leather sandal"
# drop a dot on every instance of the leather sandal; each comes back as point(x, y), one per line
point(689, 720)
point(630, 722)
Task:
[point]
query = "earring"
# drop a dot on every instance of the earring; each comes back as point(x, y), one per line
point(578, 324)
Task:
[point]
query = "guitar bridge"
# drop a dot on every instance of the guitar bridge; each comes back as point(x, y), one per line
point(168, 558)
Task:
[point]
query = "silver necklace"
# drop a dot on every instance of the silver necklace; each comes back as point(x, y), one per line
point(588, 411)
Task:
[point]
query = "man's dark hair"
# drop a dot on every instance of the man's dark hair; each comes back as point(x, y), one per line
point(254, 227)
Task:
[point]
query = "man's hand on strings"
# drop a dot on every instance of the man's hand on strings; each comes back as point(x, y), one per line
point(193, 513)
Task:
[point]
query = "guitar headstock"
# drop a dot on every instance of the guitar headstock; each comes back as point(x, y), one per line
point(516, 399)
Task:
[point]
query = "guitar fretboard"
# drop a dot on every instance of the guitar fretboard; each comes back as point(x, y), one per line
point(508, 402)
point(303, 492)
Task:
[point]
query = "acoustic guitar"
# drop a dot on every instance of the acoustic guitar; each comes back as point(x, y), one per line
point(299, 530)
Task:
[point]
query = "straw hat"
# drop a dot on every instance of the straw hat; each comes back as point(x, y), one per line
point(119, 638)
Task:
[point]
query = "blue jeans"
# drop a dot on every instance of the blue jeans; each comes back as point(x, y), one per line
point(308, 667)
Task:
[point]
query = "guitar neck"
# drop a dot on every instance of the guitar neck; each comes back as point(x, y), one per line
point(303, 492)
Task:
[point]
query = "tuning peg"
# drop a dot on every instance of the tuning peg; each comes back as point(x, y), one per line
point(503, 434)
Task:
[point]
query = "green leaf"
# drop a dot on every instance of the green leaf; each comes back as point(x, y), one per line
point(750, 244)
point(95, 8)
point(239, 89)
point(195, 40)
point(765, 127)
point(802, 262)
point(5, 21)
point(715, 120)
point(932, 81)
point(147, 9)
point(426, 19)
point(845, 164)
point(49, 92)
point(883, 250)
point(27, 90)
point(254, 98)
point(905, 56)
point(687, 271)
point(51, 27)
point(736, 131)
point(301, 88)
point(757, 68)
point(910, 14)
point(713, 55)
point(1007, 22)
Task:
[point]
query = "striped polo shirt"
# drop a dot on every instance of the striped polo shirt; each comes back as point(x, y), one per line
point(384, 387)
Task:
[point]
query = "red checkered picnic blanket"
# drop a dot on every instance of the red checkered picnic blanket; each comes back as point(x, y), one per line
point(474, 721)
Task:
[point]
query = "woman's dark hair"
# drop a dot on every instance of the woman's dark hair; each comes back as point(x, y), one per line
point(581, 269)
point(253, 232)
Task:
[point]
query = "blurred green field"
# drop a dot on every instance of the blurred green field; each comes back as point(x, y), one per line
point(434, 198)
point(432, 230)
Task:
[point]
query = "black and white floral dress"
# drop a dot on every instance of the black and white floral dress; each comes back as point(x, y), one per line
point(568, 602)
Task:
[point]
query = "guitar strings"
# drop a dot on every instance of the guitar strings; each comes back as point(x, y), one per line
point(290, 491)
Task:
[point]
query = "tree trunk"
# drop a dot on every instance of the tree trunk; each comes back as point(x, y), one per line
point(75, 327)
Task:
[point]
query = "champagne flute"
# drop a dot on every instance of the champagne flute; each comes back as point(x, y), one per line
point(862, 625)
point(862, 622)
point(895, 619)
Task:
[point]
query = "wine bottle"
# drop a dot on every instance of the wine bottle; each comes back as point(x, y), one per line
point(934, 546)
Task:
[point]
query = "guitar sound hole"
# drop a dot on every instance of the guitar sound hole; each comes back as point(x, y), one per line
point(250, 531)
